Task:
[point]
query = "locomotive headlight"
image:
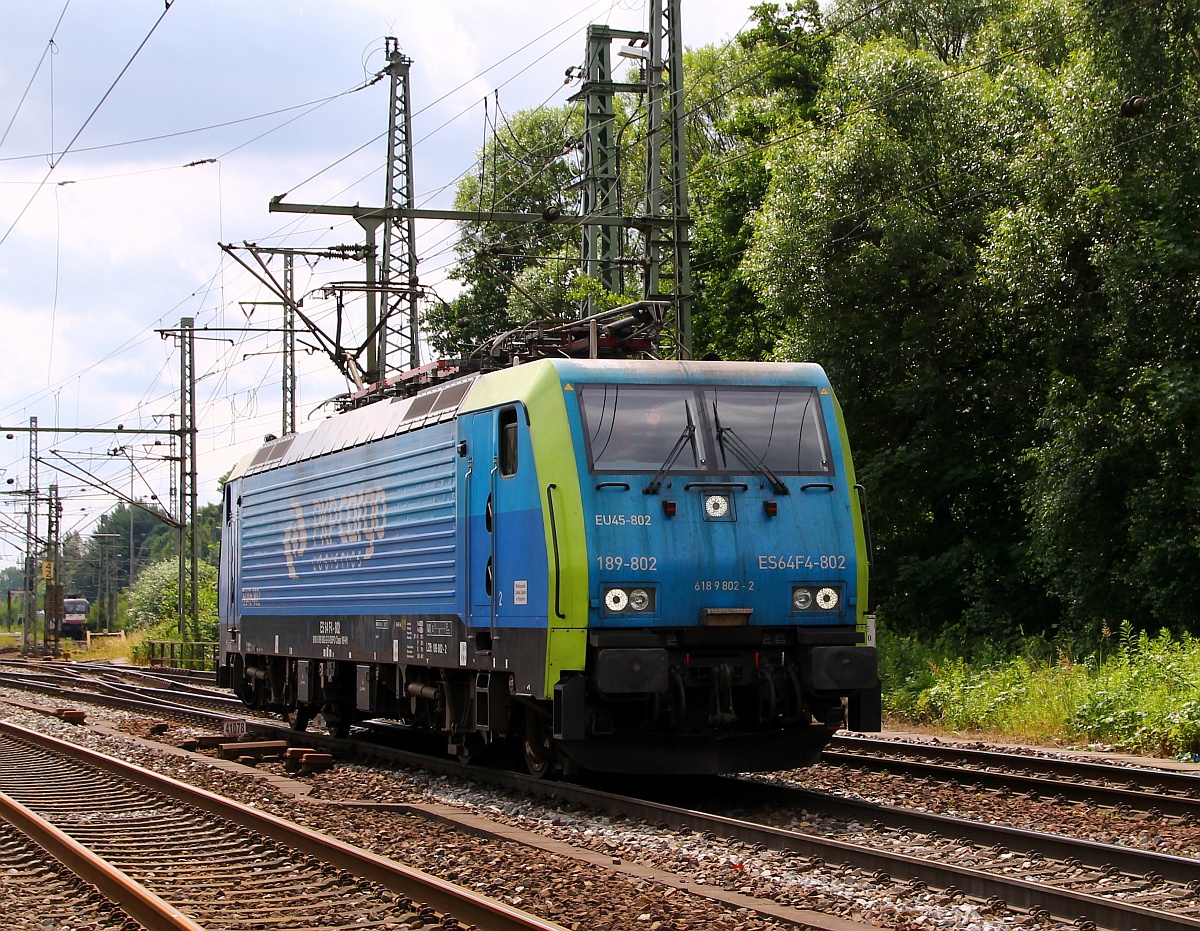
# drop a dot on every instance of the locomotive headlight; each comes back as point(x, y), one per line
point(716, 505)
point(615, 599)
point(639, 599)
point(827, 599)
point(801, 599)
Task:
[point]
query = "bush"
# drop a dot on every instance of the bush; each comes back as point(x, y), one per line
point(906, 672)
point(154, 602)
point(1146, 697)
point(1143, 697)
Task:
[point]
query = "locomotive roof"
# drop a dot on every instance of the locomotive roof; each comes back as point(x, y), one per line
point(692, 371)
point(437, 405)
point(359, 426)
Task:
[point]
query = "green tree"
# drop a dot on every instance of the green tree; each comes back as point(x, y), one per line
point(527, 166)
point(943, 28)
point(154, 601)
point(100, 562)
point(12, 577)
point(1097, 262)
point(738, 97)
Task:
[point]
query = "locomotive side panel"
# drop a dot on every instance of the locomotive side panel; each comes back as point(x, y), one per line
point(353, 555)
point(504, 553)
point(550, 535)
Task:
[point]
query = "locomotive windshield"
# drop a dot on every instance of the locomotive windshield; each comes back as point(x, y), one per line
point(738, 429)
point(779, 427)
point(635, 428)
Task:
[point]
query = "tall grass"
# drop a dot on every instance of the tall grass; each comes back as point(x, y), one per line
point(1140, 694)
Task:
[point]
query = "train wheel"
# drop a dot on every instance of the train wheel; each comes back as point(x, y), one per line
point(539, 748)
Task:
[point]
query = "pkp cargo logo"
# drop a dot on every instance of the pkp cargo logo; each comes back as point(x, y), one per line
point(295, 541)
point(339, 532)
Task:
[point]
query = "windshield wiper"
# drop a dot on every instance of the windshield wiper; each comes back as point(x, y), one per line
point(688, 435)
point(725, 435)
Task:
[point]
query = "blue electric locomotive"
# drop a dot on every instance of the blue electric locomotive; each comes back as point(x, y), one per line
point(622, 565)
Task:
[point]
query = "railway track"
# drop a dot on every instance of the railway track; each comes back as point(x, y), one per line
point(173, 856)
point(61, 898)
point(116, 681)
point(1085, 882)
point(1067, 780)
point(179, 706)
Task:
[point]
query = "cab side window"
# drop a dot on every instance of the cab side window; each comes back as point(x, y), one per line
point(508, 441)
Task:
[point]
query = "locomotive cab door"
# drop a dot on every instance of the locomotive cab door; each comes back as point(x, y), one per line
point(506, 560)
point(481, 469)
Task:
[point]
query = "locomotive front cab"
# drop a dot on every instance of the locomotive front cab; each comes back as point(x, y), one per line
point(726, 566)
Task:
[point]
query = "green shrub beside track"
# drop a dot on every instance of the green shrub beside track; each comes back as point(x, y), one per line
point(1141, 694)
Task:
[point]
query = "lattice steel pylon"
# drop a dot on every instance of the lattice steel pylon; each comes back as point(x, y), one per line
point(52, 630)
point(666, 179)
point(31, 519)
point(601, 160)
point(289, 347)
point(399, 346)
point(188, 590)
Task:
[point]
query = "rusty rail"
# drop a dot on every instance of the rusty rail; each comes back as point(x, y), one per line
point(468, 907)
point(138, 902)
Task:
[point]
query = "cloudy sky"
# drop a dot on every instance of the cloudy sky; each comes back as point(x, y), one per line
point(107, 235)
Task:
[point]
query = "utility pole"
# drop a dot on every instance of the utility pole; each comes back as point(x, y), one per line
point(666, 224)
point(289, 346)
point(106, 589)
point(30, 599)
point(682, 228)
point(394, 331)
point(668, 194)
point(187, 358)
point(397, 332)
point(54, 591)
point(173, 507)
point(286, 292)
point(187, 475)
point(399, 347)
point(601, 156)
point(129, 507)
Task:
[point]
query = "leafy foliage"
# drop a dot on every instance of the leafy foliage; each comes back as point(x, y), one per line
point(154, 602)
point(1143, 696)
point(998, 271)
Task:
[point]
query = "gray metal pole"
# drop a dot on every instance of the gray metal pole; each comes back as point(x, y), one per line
point(289, 347)
point(654, 190)
point(190, 438)
point(31, 575)
point(398, 338)
point(682, 230)
point(369, 225)
point(600, 160)
point(187, 476)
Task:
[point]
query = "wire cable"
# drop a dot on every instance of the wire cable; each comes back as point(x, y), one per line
point(168, 4)
point(49, 46)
